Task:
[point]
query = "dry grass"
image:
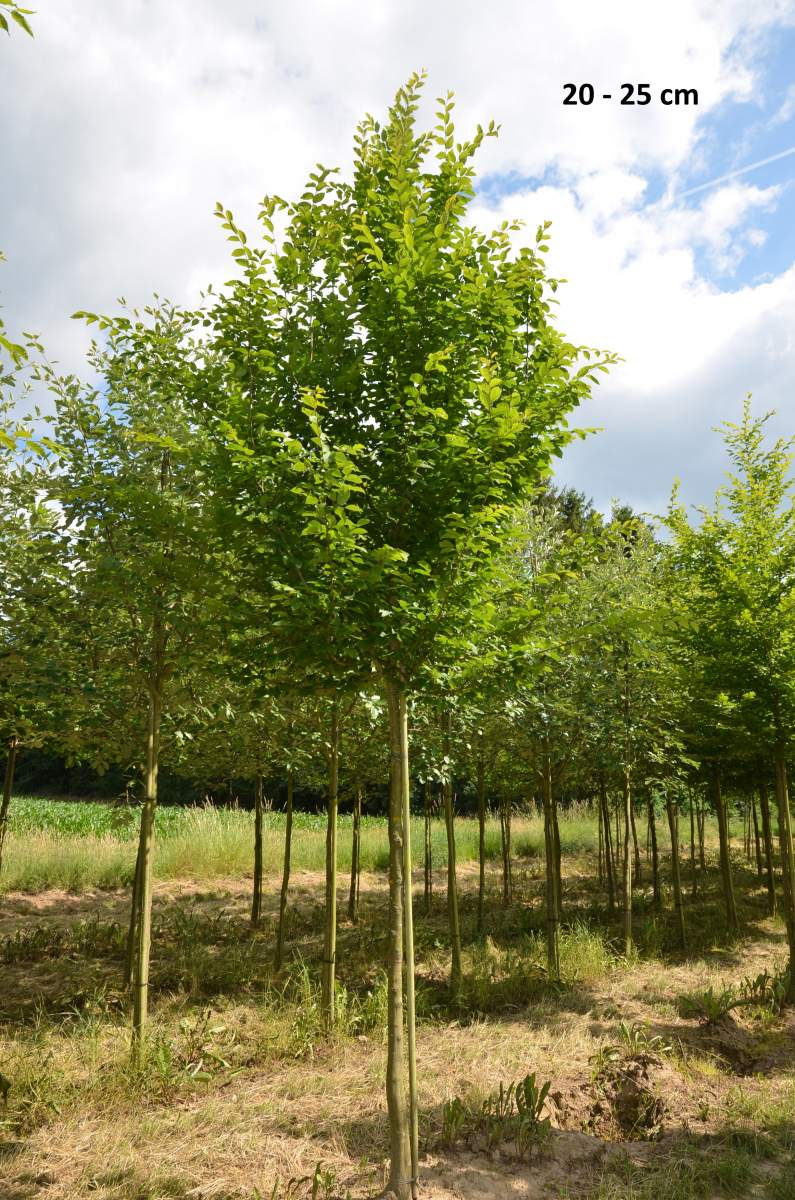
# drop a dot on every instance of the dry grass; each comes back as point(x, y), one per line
point(272, 1098)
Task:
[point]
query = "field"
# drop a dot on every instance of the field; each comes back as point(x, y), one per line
point(669, 1076)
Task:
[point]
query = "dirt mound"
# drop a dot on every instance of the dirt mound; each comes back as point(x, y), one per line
point(628, 1105)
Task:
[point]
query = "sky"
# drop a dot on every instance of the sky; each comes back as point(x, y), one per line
point(123, 123)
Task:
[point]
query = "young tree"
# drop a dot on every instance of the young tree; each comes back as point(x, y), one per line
point(741, 561)
point(426, 394)
point(129, 485)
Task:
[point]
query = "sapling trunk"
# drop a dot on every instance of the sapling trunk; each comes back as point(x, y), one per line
point(353, 895)
point(8, 787)
point(256, 898)
point(558, 858)
point(701, 816)
point(655, 860)
point(481, 834)
point(693, 876)
point(673, 826)
point(146, 852)
point(399, 1182)
point(627, 864)
point(550, 855)
point(617, 840)
point(408, 939)
point(600, 873)
point(132, 930)
point(725, 854)
point(328, 980)
point(288, 838)
point(428, 863)
point(505, 847)
point(636, 847)
point(452, 881)
point(767, 838)
point(757, 840)
point(609, 857)
point(787, 863)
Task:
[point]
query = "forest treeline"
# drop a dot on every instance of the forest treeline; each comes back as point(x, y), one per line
point(305, 532)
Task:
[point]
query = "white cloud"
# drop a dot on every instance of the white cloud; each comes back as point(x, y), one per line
point(690, 351)
point(131, 119)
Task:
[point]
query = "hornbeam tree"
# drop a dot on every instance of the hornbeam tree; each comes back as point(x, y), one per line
point(406, 368)
point(128, 483)
point(742, 561)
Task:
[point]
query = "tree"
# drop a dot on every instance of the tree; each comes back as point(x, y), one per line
point(129, 484)
point(741, 560)
point(409, 372)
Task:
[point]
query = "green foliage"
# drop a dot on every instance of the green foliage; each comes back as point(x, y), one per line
point(512, 1114)
point(766, 990)
point(19, 15)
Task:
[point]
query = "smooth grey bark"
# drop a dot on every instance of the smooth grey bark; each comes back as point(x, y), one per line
point(725, 852)
point(328, 978)
point(505, 847)
point(760, 874)
point(481, 789)
point(399, 1183)
point(627, 864)
point(456, 975)
point(610, 867)
point(353, 894)
point(288, 839)
point(787, 862)
point(655, 858)
point(146, 845)
point(428, 856)
point(552, 915)
point(8, 787)
point(673, 826)
point(132, 929)
point(767, 838)
point(256, 896)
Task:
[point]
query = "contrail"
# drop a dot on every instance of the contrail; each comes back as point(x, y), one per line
point(733, 174)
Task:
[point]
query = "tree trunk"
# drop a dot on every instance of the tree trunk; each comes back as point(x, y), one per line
point(146, 852)
point(353, 896)
point(132, 930)
point(757, 840)
point(550, 856)
point(428, 849)
point(256, 898)
point(400, 1141)
point(328, 980)
point(655, 859)
point(673, 826)
point(505, 846)
point(609, 857)
point(701, 817)
point(617, 841)
point(452, 881)
point(636, 848)
point(767, 838)
point(600, 873)
point(288, 839)
point(787, 863)
point(627, 898)
point(8, 787)
point(481, 833)
point(693, 876)
point(725, 856)
point(558, 857)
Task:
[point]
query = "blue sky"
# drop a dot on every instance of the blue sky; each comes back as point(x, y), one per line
point(130, 120)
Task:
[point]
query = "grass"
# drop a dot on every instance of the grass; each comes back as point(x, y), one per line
point(78, 844)
point(243, 1096)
